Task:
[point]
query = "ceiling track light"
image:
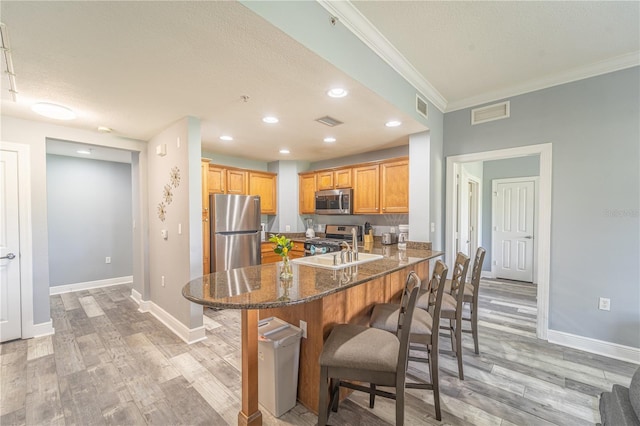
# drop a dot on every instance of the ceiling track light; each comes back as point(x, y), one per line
point(6, 51)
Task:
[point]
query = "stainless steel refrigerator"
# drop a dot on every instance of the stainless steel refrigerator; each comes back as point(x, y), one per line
point(235, 231)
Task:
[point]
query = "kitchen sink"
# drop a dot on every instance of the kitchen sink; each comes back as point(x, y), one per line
point(326, 260)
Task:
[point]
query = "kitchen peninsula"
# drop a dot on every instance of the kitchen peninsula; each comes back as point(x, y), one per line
point(320, 296)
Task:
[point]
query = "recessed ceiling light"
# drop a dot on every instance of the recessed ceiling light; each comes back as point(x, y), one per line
point(329, 140)
point(53, 111)
point(104, 129)
point(270, 119)
point(284, 151)
point(226, 138)
point(84, 151)
point(393, 123)
point(337, 92)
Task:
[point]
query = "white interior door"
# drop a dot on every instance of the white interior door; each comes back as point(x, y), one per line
point(10, 311)
point(513, 228)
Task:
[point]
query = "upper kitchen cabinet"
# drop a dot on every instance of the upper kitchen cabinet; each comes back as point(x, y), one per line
point(334, 179)
point(237, 182)
point(366, 189)
point(264, 185)
point(306, 193)
point(216, 179)
point(382, 187)
point(394, 188)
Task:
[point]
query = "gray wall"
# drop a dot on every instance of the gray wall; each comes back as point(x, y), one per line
point(34, 134)
point(499, 169)
point(593, 125)
point(90, 218)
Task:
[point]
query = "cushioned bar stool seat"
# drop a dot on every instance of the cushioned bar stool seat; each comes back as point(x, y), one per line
point(355, 353)
point(384, 316)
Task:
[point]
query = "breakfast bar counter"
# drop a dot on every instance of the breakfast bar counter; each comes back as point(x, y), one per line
point(320, 296)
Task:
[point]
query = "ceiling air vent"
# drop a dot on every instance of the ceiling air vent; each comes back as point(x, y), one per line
point(328, 121)
point(422, 107)
point(490, 113)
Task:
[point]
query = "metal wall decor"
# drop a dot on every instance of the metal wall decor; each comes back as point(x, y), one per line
point(167, 192)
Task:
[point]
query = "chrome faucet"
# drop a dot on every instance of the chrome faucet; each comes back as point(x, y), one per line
point(354, 242)
point(348, 251)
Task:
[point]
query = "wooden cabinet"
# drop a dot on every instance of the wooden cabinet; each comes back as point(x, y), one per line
point(334, 179)
point(237, 182)
point(394, 187)
point(264, 185)
point(381, 188)
point(267, 255)
point(366, 189)
point(216, 179)
point(306, 193)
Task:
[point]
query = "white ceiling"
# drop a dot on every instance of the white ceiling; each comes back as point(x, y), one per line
point(139, 66)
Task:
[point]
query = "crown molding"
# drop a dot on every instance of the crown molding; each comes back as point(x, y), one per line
point(616, 63)
point(362, 28)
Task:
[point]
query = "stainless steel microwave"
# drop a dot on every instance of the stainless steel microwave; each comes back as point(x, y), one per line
point(334, 201)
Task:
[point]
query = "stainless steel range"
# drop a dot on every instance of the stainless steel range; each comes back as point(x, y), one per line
point(335, 235)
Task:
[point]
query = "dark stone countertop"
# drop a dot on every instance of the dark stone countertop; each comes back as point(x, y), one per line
point(260, 287)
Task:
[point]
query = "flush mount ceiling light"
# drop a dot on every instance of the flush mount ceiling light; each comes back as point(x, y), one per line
point(84, 151)
point(226, 138)
point(329, 140)
point(337, 92)
point(393, 123)
point(53, 111)
point(284, 151)
point(270, 119)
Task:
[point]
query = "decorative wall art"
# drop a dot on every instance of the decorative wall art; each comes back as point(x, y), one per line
point(167, 192)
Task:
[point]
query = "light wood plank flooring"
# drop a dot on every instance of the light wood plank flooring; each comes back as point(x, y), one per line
point(110, 364)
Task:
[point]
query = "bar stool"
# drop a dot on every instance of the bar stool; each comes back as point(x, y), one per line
point(452, 301)
point(358, 353)
point(471, 290)
point(422, 337)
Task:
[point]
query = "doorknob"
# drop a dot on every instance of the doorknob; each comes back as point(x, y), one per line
point(8, 256)
point(528, 237)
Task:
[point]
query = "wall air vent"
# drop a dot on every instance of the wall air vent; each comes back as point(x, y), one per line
point(329, 121)
point(490, 113)
point(422, 107)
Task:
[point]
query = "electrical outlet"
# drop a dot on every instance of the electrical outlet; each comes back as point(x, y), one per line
point(303, 327)
point(287, 228)
point(604, 304)
point(162, 280)
point(107, 259)
point(433, 227)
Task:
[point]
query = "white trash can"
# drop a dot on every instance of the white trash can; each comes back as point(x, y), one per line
point(278, 361)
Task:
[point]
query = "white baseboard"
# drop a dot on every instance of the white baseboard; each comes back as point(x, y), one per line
point(600, 347)
point(487, 274)
point(42, 329)
point(59, 289)
point(189, 335)
point(143, 305)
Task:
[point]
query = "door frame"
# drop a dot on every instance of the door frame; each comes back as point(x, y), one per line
point(463, 191)
point(536, 214)
point(544, 217)
point(26, 248)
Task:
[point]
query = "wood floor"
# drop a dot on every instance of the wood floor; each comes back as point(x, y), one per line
point(110, 364)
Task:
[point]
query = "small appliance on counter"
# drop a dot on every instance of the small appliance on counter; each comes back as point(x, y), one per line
point(389, 238)
point(310, 232)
